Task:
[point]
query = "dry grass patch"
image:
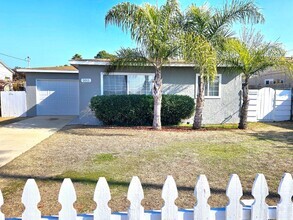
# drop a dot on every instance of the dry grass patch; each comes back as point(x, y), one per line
point(87, 153)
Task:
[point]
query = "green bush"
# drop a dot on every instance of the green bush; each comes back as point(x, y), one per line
point(138, 109)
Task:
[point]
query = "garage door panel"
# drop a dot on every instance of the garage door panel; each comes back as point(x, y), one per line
point(57, 97)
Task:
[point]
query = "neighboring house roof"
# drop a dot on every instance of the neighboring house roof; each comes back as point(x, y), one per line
point(54, 69)
point(5, 72)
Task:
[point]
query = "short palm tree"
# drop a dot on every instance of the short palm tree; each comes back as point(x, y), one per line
point(155, 31)
point(251, 55)
point(206, 30)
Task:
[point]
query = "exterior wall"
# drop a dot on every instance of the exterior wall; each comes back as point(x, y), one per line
point(88, 90)
point(179, 80)
point(224, 109)
point(176, 80)
point(31, 87)
point(258, 81)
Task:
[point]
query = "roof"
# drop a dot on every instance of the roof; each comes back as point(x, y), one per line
point(106, 62)
point(10, 70)
point(53, 69)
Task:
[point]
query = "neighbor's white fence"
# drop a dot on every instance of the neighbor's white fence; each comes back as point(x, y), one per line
point(259, 210)
point(13, 104)
point(268, 104)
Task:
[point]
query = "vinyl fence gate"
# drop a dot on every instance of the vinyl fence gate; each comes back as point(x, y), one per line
point(13, 104)
point(268, 104)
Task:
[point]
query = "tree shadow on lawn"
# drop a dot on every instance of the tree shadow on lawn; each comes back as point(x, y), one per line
point(277, 137)
point(125, 184)
point(85, 130)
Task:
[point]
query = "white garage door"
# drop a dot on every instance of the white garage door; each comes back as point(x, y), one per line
point(57, 97)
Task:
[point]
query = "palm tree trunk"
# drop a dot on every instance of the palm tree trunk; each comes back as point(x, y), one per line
point(244, 107)
point(197, 123)
point(157, 95)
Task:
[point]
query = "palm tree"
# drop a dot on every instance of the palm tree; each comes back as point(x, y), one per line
point(251, 55)
point(206, 30)
point(155, 31)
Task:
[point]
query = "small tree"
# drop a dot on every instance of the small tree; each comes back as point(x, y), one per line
point(206, 30)
point(76, 57)
point(251, 55)
point(104, 55)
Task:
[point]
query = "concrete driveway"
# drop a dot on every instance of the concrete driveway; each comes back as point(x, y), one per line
point(18, 137)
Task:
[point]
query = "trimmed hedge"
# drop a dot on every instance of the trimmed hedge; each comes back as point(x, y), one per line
point(137, 110)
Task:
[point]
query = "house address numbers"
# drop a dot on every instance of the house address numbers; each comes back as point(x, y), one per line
point(86, 80)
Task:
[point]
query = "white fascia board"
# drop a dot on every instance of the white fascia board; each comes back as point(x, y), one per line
point(107, 63)
point(89, 63)
point(45, 71)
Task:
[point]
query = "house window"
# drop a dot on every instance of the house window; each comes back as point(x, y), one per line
point(126, 83)
point(212, 88)
point(269, 81)
point(115, 85)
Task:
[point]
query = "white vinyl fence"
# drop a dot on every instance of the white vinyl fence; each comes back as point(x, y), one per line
point(13, 104)
point(268, 104)
point(235, 210)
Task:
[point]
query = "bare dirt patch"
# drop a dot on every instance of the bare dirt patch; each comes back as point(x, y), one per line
point(87, 153)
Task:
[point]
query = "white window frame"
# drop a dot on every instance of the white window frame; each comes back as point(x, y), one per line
point(121, 74)
point(208, 84)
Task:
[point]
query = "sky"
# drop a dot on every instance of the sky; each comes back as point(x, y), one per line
point(50, 32)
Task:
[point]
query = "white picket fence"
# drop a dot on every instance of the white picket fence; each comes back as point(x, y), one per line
point(268, 104)
point(13, 104)
point(235, 210)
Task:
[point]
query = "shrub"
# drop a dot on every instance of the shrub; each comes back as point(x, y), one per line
point(138, 109)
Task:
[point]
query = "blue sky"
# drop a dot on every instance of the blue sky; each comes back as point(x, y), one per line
point(52, 31)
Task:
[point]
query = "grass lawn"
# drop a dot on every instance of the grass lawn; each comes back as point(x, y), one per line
point(86, 153)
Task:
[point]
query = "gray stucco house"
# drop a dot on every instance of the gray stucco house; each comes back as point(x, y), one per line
point(68, 90)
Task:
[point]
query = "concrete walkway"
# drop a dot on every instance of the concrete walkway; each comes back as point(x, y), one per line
point(18, 137)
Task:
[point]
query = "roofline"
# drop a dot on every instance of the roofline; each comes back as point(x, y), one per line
point(76, 63)
point(10, 70)
point(45, 71)
point(90, 62)
point(107, 63)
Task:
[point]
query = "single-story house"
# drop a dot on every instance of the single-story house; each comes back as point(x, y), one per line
point(68, 90)
point(6, 74)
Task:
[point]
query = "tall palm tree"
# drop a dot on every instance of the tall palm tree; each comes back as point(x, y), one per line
point(251, 55)
point(155, 31)
point(206, 30)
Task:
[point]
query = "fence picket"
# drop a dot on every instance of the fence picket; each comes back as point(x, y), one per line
point(30, 198)
point(260, 191)
point(202, 193)
point(2, 216)
point(234, 192)
point(234, 210)
point(169, 195)
point(67, 197)
point(285, 190)
point(135, 196)
point(102, 196)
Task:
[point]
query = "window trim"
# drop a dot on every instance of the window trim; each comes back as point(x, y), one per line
point(120, 74)
point(209, 97)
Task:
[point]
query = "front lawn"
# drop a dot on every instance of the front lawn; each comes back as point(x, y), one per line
point(86, 153)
